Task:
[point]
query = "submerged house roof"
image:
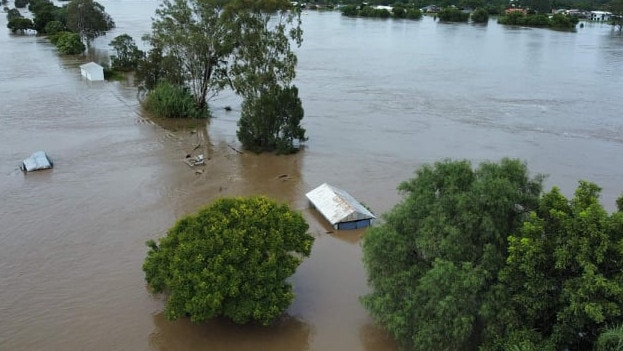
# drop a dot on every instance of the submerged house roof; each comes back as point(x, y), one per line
point(336, 205)
point(92, 71)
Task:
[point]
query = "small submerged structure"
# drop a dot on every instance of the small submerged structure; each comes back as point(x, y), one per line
point(339, 208)
point(37, 161)
point(92, 71)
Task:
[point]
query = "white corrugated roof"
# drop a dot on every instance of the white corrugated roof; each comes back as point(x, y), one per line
point(91, 67)
point(336, 205)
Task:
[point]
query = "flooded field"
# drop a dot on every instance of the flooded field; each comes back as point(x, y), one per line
point(381, 99)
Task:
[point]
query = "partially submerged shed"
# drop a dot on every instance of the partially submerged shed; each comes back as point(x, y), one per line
point(37, 161)
point(339, 207)
point(92, 71)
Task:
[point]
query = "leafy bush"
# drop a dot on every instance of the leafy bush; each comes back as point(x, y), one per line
point(399, 12)
point(451, 14)
point(480, 15)
point(350, 10)
point(20, 24)
point(414, 13)
point(513, 18)
point(127, 53)
point(561, 21)
point(231, 259)
point(170, 101)
point(69, 43)
point(271, 121)
point(54, 27)
point(12, 14)
point(20, 4)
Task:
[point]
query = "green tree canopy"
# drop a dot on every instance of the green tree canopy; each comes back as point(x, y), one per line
point(20, 24)
point(191, 33)
point(434, 261)
point(89, 19)
point(262, 67)
point(68, 43)
point(12, 14)
point(207, 45)
point(127, 55)
point(271, 122)
point(452, 14)
point(230, 259)
point(480, 15)
point(564, 274)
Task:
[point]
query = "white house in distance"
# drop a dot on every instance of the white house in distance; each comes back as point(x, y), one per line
point(600, 15)
point(339, 207)
point(92, 71)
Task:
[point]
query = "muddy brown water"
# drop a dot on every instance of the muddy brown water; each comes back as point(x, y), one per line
point(381, 99)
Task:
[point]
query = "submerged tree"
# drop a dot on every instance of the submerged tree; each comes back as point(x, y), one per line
point(271, 121)
point(20, 24)
point(192, 33)
point(127, 54)
point(432, 265)
point(89, 19)
point(231, 259)
point(261, 71)
point(207, 45)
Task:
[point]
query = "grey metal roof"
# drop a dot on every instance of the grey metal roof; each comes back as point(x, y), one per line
point(36, 161)
point(336, 205)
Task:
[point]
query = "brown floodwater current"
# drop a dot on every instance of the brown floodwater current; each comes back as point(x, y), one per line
point(381, 99)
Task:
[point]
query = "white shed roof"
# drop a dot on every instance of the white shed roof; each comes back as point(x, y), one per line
point(336, 205)
point(91, 67)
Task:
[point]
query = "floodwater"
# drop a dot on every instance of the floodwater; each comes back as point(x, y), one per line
point(381, 98)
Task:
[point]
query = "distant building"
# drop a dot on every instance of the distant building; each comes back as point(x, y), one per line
point(92, 71)
point(339, 208)
point(381, 7)
point(515, 9)
point(430, 9)
point(600, 16)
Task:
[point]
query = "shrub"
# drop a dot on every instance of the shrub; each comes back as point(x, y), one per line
point(480, 15)
point(451, 14)
point(69, 43)
point(170, 101)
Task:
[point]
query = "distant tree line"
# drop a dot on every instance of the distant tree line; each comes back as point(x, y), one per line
point(493, 7)
point(558, 20)
point(399, 11)
point(69, 27)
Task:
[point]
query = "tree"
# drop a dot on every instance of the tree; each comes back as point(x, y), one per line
point(44, 11)
point(172, 101)
point(68, 43)
point(127, 55)
point(452, 14)
point(262, 67)
point(20, 24)
point(433, 262)
point(20, 4)
point(89, 19)
point(480, 15)
point(540, 6)
point(13, 14)
point(271, 122)
point(616, 7)
point(230, 259)
point(54, 27)
point(193, 34)
point(564, 274)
